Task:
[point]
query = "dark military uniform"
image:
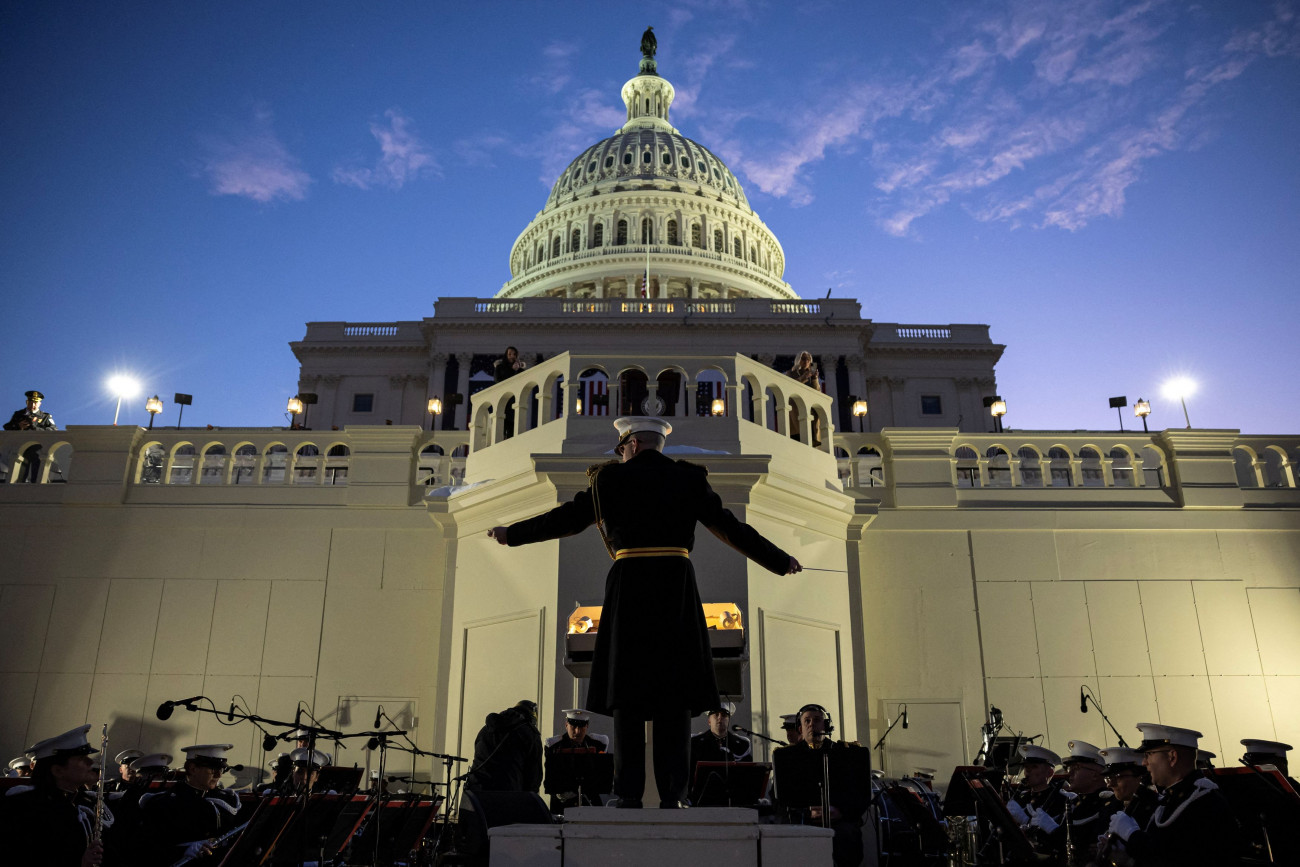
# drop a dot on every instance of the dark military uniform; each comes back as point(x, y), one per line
point(847, 843)
point(1192, 826)
point(652, 654)
point(44, 826)
point(173, 819)
point(708, 747)
point(565, 744)
point(25, 419)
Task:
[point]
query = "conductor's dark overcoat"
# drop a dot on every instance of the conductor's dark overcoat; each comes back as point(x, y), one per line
point(652, 645)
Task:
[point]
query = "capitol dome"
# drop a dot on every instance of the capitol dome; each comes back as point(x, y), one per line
point(647, 193)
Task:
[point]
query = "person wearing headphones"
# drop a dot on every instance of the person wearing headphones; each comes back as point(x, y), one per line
point(846, 808)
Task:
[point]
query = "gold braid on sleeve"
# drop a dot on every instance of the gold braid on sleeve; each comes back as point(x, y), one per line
point(592, 472)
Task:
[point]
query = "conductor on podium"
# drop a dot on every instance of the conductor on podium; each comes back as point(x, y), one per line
point(652, 659)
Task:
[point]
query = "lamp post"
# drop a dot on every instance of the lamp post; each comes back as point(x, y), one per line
point(1181, 388)
point(294, 408)
point(1142, 409)
point(718, 407)
point(153, 406)
point(1117, 404)
point(998, 407)
point(859, 410)
point(182, 401)
point(122, 386)
point(435, 410)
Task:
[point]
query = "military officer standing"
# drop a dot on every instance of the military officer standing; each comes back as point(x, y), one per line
point(43, 824)
point(1192, 824)
point(653, 659)
point(718, 743)
point(180, 821)
point(31, 417)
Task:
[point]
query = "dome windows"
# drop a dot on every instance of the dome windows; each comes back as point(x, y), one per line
point(575, 239)
point(646, 158)
point(592, 167)
point(627, 159)
point(647, 231)
point(686, 164)
point(673, 239)
point(668, 158)
point(717, 240)
point(598, 234)
point(696, 239)
point(555, 246)
point(609, 161)
point(621, 238)
point(736, 249)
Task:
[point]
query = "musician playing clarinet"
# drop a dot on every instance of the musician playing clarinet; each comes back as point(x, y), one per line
point(1038, 803)
point(43, 824)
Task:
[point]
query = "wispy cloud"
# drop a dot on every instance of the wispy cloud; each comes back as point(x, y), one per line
point(555, 70)
point(403, 157)
point(249, 160)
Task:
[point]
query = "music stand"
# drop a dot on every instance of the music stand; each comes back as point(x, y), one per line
point(729, 784)
point(266, 826)
point(419, 816)
point(298, 843)
point(959, 799)
point(1262, 800)
point(801, 775)
point(354, 812)
point(584, 771)
point(337, 779)
point(989, 807)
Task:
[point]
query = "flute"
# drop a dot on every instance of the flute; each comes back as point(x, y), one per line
point(99, 803)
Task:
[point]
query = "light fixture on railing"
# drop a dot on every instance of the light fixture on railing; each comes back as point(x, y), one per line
point(1142, 409)
point(1181, 388)
point(153, 406)
point(435, 410)
point(294, 408)
point(997, 408)
point(718, 407)
point(122, 386)
point(579, 408)
point(859, 410)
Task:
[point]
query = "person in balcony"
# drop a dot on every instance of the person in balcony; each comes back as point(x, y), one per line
point(805, 372)
point(31, 417)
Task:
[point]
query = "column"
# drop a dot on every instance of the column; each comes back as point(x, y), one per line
point(896, 409)
point(437, 381)
point(463, 359)
point(857, 377)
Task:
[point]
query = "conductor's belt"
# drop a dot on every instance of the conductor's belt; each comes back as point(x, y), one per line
point(629, 553)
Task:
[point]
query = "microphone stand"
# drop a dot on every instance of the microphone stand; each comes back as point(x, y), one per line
point(1106, 719)
point(880, 744)
point(415, 752)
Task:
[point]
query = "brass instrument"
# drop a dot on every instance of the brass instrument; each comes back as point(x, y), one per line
point(99, 802)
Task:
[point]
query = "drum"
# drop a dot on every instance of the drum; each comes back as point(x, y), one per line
point(909, 823)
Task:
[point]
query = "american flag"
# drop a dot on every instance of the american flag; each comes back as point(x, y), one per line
point(594, 388)
point(705, 393)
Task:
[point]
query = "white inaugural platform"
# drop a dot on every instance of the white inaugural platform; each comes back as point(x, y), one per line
point(601, 837)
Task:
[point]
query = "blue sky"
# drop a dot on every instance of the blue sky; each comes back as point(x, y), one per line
point(1112, 186)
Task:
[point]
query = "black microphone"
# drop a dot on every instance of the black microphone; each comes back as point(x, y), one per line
point(904, 716)
point(379, 712)
point(165, 709)
point(269, 742)
point(1083, 701)
point(739, 728)
point(234, 769)
point(230, 717)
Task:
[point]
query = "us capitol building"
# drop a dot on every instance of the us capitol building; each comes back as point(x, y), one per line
point(345, 563)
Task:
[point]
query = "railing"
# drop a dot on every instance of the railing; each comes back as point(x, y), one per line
point(923, 332)
point(370, 331)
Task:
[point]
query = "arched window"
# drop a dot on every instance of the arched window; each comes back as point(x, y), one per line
point(1153, 475)
point(336, 465)
point(541, 253)
point(1060, 466)
point(575, 238)
point(1121, 468)
point(430, 472)
point(597, 234)
point(753, 255)
point(667, 158)
point(182, 468)
point(245, 465)
point(152, 459)
point(647, 231)
point(621, 238)
point(627, 158)
point(1090, 468)
point(999, 467)
point(555, 246)
point(736, 249)
point(646, 158)
point(306, 465)
point(214, 466)
point(968, 469)
point(717, 240)
point(273, 464)
point(633, 390)
point(672, 233)
point(609, 161)
point(1031, 470)
point(696, 236)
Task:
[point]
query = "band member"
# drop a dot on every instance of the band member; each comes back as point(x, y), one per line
point(180, 821)
point(1273, 829)
point(1086, 814)
point(1129, 783)
point(1037, 790)
point(31, 417)
point(790, 725)
point(575, 738)
point(846, 810)
point(282, 773)
point(125, 773)
point(652, 658)
point(154, 767)
point(20, 767)
point(43, 824)
point(1205, 760)
point(508, 751)
point(1268, 753)
point(718, 743)
point(307, 766)
point(1192, 824)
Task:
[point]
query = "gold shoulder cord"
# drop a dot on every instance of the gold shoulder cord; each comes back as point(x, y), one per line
point(592, 472)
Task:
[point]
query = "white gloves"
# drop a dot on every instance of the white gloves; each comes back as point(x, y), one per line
point(1123, 825)
point(1018, 813)
point(1043, 822)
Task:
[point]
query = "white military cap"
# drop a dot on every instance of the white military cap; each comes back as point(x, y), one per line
point(127, 756)
point(279, 757)
point(298, 735)
point(724, 707)
point(1082, 751)
point(1205, 757)
point(1265, 748)
point(632, 424)
point(153, 760)
point(1155, 736)
point(70, 743)
point(789, 721)
point(1120, 756)
point(315, 758)
point(577, 715)
point(1035, 753)
point(20, 762)
point(210, 755)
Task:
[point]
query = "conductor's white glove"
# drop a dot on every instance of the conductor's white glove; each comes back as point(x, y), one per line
point(1018, 813)
point(1043, 822)
point(1123, 825)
